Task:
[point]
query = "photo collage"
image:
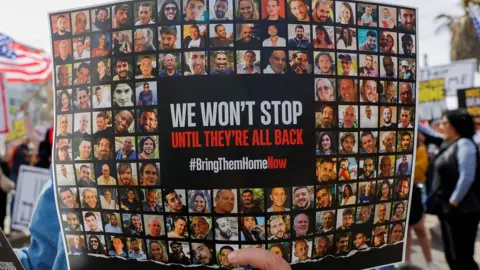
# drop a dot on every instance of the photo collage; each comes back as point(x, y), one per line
point(109, 64)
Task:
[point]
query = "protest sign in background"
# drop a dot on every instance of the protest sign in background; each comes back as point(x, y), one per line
point(29, 185)
point(469, 99)
point(182, 137)
point(431, 103)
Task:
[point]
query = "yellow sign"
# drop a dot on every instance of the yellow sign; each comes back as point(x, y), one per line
point(433, 90)
point(17, 132)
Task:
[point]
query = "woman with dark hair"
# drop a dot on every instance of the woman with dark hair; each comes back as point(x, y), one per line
point(399, 211)
point(455, 193)
point(345, 39)
point(348, 195)
point(64, 101)
point(95, 246)
point(385, 191)
point(169, 12)
point(322, 40)
point(326, 144)
point(250, 229)
point(199, 203)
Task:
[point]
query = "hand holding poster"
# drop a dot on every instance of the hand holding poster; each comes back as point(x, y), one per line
point(213, 126)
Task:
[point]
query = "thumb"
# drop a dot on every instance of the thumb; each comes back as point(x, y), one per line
point(258, 258)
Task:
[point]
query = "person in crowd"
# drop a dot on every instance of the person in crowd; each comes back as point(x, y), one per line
point(454, 196)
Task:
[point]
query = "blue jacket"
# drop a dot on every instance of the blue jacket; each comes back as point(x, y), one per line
point(46, 244)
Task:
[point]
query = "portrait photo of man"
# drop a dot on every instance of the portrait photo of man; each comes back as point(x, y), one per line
point(278, 200)
point(101, 19)
point(226, 229)
point(221, 35)
point(273, 10)
point(123, 69)
point(278, 227)
point(407, 69)
point(368, 40)
point(249, 203)
point(301, 249)
point(122, 16)
point(108, 199)
point(348, 142)
point(221, 63)
point(201, 228)
point(102, 123)
point(122, 42)
point(123, 95)
point(303, 198)
point(388, 117)
point(193, 10)
point(145, 12)
point(64, 75)
point(93, 221)
point(89, 198)
point(82, 148)
point(248, 37)
point(102, 71)
point(81, 22)
point(299, 62)
point(345, 219)
point(179, 252)
point(85, 175)
point(277, 62)
point(369, 142)
point(169, 12)
point(203, 253)
point(368, 65)
point(221, 10)
point(152, 201)
point(63, 51)
point(146, 66)
point(118, 246)
point(154, 225)
point(179, 228)
point(169, 37)
point(406, 93)
point(274, 35)
point(348, 116)
point(343, 242)
point(407, 21)
point(347, 90)
point(123, 121)
point(150, 174)
point(365, 214)
point(249, 63)
point(101, 98)
point(325, 222)
point(104, 177)
point(368, 91)
point(369, 116)
point(147, 120)
point(144, 40)
point(72, 222)
point(299, 10)
point(387, 143)
point(225, 201)
point(82, 73)
point(299, 36)
point(170, 64)
point(388, 67)
point(223, 251)
point(323, 244)
point(407, 45)
point(61, 26)
point(68, 197)
point(174, 201)
point(325, 170)
point(405, 142)
point(347, 64)
point(196, 62)
point(389, 94)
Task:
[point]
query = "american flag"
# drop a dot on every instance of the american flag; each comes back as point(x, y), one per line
point(475, 15)
point(20, 63)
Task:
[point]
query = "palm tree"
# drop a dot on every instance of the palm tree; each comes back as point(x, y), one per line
point(464, 43)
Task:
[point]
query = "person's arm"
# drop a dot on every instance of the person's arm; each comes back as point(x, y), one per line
point(46, 244)
point(467, 164)
point(429, 132)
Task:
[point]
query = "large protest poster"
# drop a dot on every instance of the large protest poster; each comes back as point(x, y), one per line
point(188, 129)
point(431, 99)
point(469, 99)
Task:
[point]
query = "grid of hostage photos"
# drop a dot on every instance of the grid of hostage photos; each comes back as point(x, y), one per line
point(108, 65)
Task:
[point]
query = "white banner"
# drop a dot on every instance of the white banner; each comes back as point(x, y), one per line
point(457, 75)
point(29, 185)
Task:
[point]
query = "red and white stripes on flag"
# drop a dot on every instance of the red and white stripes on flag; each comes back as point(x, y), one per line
point(20, 63)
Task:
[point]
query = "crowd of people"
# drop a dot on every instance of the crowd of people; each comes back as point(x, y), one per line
point(446, 169)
